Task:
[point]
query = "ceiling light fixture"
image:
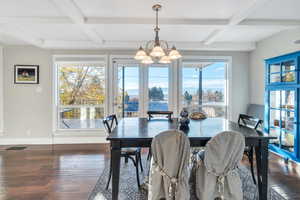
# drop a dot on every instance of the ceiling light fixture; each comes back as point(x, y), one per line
point(157, 50)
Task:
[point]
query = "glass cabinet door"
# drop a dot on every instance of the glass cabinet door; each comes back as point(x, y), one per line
point(275, 70)
point(288, 71)
point(282, 120)
point(282, 72)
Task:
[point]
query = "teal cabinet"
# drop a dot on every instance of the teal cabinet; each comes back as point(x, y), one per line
point(282, 104)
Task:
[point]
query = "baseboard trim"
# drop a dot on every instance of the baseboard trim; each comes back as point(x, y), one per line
point(56, 140)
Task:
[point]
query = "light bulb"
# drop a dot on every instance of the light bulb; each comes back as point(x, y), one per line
point(165, 60)
point(174, 54)
point(157, 51)
point(140, 54)
point(147, 60)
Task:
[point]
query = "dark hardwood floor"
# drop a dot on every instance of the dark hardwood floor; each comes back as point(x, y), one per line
point(71, 171)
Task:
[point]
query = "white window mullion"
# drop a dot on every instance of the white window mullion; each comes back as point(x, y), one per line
point(144, 90)
point(179, 84)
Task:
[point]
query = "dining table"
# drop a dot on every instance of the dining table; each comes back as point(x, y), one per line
point(139, 132)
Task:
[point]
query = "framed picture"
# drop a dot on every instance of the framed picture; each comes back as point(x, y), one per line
point(26, 74)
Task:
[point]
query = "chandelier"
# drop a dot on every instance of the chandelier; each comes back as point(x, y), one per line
point(157, 50)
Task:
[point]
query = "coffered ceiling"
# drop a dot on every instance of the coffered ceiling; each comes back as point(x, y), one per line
point(124, 24)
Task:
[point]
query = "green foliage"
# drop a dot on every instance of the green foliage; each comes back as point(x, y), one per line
point(156, 94)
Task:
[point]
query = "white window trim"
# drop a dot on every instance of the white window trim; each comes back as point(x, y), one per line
point(1, 92)
point(228, 99)
point(76, 132)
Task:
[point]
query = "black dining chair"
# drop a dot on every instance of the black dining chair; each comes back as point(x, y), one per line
point(151, 114)
point(254, 123)
point(133, 154)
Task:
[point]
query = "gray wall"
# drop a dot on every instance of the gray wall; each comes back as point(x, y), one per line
point(276, 45)
point(28, 108)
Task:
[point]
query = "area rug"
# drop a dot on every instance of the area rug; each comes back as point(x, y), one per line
point(129, 191)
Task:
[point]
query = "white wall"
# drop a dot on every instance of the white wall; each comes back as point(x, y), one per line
point(281, 43)
point(28, 113)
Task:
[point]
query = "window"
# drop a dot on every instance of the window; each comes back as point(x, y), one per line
point(204, 87)
point(158, 88)
point(128, 93)
point(80, 95)
point(86, 90)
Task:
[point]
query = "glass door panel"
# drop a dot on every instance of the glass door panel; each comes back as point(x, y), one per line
point(275, 99)
point(288, 76)
point(275, 78)
point(275, 68)
point(287, 141)
point(127, 99)
point(288, 66)
point(282, 118)
point(288, 71)
point(275, 118)
point(287, 121)
point(275, 133)
point(288, 99)
point(158, 87)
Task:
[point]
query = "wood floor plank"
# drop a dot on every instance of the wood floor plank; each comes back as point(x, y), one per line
point(70, 172)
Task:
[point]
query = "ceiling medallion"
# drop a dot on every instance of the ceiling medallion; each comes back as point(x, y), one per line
point(157, 50)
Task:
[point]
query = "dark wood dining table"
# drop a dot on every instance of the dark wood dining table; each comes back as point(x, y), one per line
point(139, 132)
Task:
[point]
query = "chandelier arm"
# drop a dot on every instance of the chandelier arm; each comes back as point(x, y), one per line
point(147, 49)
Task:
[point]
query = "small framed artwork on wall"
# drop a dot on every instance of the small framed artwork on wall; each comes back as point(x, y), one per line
point(26, 74)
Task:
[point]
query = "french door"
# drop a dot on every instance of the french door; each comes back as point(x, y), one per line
point(139, 88)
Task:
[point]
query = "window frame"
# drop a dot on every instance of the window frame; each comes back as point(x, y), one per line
point(82, 131)
point(228, 75)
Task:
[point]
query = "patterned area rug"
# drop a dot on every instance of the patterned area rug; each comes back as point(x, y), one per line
point(129, 191)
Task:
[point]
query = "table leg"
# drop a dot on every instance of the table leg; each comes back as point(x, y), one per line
point(115, 161)
point(262, 153)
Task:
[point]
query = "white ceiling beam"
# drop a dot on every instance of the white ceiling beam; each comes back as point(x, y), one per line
point(164, 21)
point(270, 22)
point(22, 34)
point(131, 45)
point(35, 20)
point(70, 8)
point(236, 19)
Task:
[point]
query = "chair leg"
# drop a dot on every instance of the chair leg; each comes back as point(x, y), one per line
point(250, 157)
point(140, 161)
point(109, 176)
point(136, 164)
point(137, 170)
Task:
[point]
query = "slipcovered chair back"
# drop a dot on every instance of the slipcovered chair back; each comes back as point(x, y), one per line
point(169, 166)
point(217, 174)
